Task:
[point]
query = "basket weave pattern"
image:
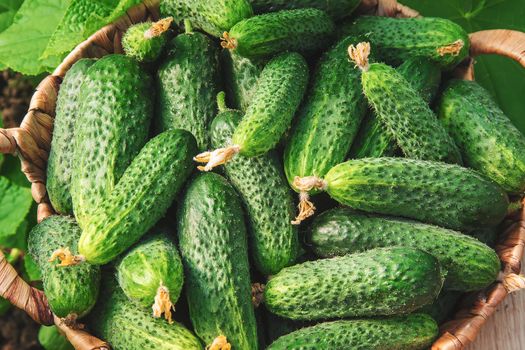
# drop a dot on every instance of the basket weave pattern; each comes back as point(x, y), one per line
point(32, 140)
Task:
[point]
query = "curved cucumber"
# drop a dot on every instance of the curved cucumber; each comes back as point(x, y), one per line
point(488, 141)
point(303, 30)
point(412, 332)
point(71, 290)
point(336, 9)
point(329, 119)
point(379, 282)
point(187, 83)
point(141, 198)
point(114, 117)
point(470, 264)
point(270, 207)
point(60, 162)
point(212, 241)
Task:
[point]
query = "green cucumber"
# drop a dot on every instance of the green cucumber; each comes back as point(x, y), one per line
point(373, 140)
point(411, 332)
point(151, 274)
point(436, 193)
point(302, 30)
point(379, 282)
point(213, 245)
point(336, 9)
point(60, 162)
point(214, 17)
point(72, 290)
point(145, 41)
point(329, 119)
point(279, 92)
point(398, 39)
point(403, 112)
point(113, 121)
point(51, 339)
point(488, 140)
point(270, 207)
point(187, 83)
point(141, 198)
point(470, 264)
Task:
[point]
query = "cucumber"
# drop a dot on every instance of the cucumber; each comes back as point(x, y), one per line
point(140, 199)
point(336, 9)
point(403, 112)
point(187, 83)
point(398, 39)
point(488, 141)
point(214, 17)
point(379, 282)
point(71, 291)
point(436, 193)
point(279, 92)
point(145, 41)
point(151, 274)
point(113, 121)
point(411, 332)
point(470, 264)
point(240, 76)
point(373, 140)
point(302, 30)
point(329, 119)
point(60, 162)
point(269, 204)
point(51, 339)
point(212, 241)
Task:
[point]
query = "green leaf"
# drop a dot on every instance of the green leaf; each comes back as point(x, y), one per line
point(32, 271)
point(15, 204)
point(8, 9)
point(504, 78)
point(11, 170)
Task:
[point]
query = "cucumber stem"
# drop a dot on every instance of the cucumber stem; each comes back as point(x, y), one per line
point(227, 42)
point(513, 282)
point(305, 185)
point(187, 26)
point(452, 49)
point(66, 257)
point(221, 101)
point(359, 54)
point(163, 304)
point(215, 158)
point(158, 28)
point(219, 343)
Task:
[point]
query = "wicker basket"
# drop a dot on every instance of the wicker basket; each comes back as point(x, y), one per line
point(31, 142)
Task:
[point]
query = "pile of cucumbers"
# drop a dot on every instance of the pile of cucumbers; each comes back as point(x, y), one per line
point(186, 174)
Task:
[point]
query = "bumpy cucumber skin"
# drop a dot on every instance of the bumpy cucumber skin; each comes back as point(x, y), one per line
point(395, 40)
point(187, 85)
point(149, 264)
point(71, 290)
point(436, 193)
point(114, 117)
point(143, 49)
point(51, 339)
point(412, 332)
point(269, 203)
point(213, 245)
point(336, 9)
point(406, 116)
point(60, 162)
point(141, 198)
point(214, 17)
point(279, 92)
point(488, 141)
point(302, 30)
point(240, 76)
point(329, 119)
point(470, 264)
point(379, 282)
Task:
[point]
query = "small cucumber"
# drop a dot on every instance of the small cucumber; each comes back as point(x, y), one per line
point(279, 92)
point(488, 141)
point(302, 30)
point(60, 162)
point(336, 9)
point(214, 17)
point(403, 112)
point(145, 41)
point(187, 83)
point(436, 193)
point(51, 339)
point(270, 207)
point(379, 282)
point(411, 332)
point(398, 39)
point(72, 290)
point(151, 274)
point(373, 140)
point(212, 241)
point(470, 264)
point(113, 123)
